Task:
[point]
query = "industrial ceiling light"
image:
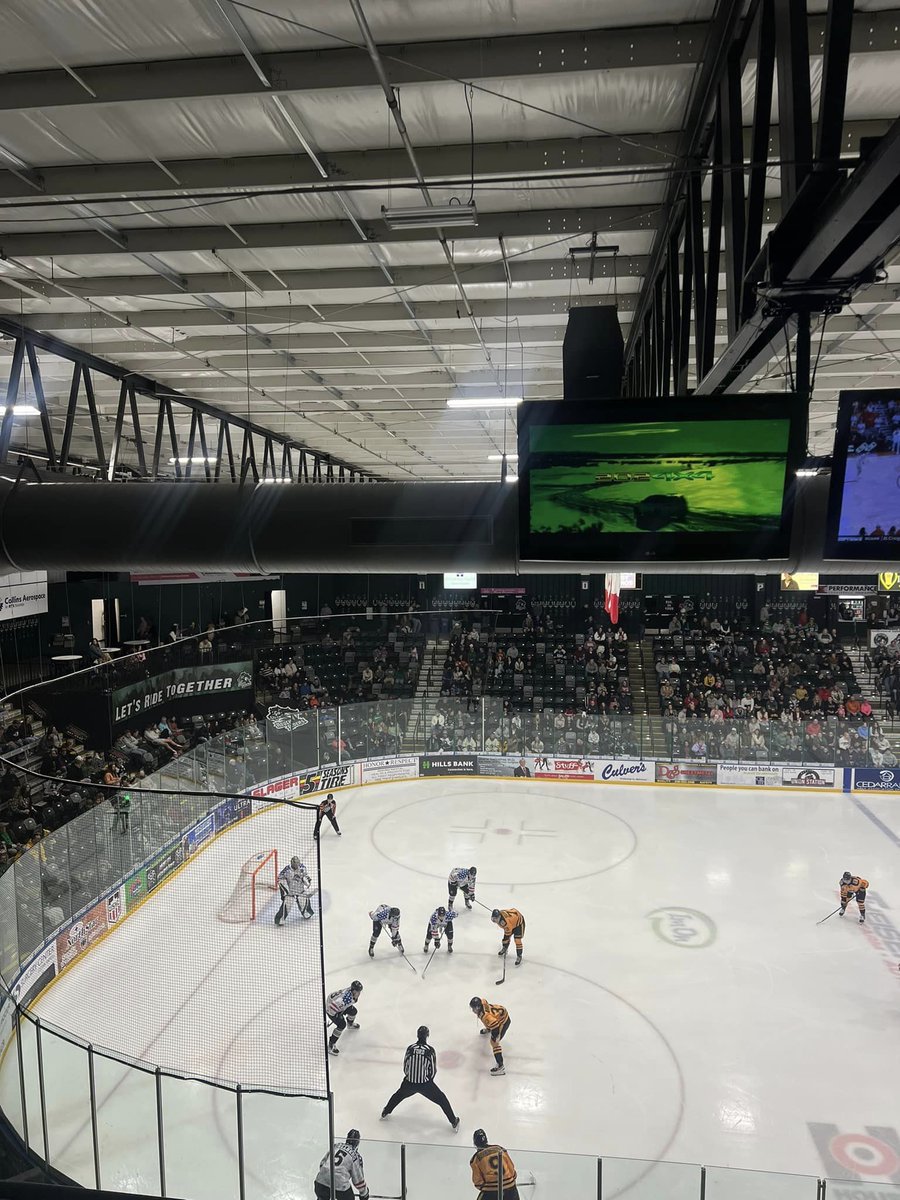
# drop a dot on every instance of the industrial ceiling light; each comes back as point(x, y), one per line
point(26, 410)
point(183, 461)
point(484, 401)
point(430, 216)
point(511, 457)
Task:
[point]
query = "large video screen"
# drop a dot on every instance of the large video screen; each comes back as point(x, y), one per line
point(647, 480)
point(864, 502)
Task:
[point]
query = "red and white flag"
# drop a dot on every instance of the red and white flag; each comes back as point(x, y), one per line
point(611, 602)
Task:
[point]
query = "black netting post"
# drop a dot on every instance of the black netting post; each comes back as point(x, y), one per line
point(41, 1089)
point(242, 1181)
point(95, 1139)
point(160, 1134)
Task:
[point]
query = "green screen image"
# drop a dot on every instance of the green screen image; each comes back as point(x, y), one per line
point(709, 476)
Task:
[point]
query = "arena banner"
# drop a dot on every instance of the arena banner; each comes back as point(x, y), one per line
point(748, 775)
point(808, 777)
point(687, 772)
point(23, 594)
point(884, 639)
point(187, 689)
point(624, 770)
point(448, 764)
point(575, 768)
point(877, 779)
point(377, 770)
point(163, 864)
point(306, 783)
point(235, 808)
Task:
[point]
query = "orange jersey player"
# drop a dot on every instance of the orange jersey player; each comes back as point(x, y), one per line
point(853, 887)
point(493, 1171)
point(496, 1022)
point(512, 923)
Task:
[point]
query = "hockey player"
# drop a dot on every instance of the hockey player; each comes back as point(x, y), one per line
point(385, 917)
point(512, 923)
point(327, 808)
point(294, 883)
point(496, 1022)
point(440, 921)
point(461, 877)
point(493, 1171)
point(340, 1009)
point(348, 1171)
point(853, 887)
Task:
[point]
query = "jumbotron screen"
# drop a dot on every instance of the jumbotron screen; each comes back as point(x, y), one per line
point(864, 502)
point(630, 481)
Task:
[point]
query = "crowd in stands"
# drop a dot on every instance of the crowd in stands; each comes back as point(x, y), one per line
point(784, 690)
point(874, 426)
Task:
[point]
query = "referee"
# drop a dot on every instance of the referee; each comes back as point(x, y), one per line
point(419, 1069)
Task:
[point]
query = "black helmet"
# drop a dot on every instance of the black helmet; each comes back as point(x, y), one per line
point(846, 875)
point(395, 912)
point(479, 1138)
point(352, 1138)
point(441, 911)
point(473, 870)
point(356, 986)
point(475, 1004)
point(422, 1033)
point(495, 915)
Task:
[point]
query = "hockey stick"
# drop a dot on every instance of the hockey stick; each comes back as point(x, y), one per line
point(497, 982)
point(831, 914)
point(428, 964)
point(483, 905)
point(402, 955)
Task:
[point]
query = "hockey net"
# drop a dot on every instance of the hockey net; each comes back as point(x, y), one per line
point(259, 871)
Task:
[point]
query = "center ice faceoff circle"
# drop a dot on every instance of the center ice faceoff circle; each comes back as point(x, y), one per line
point(517, 835)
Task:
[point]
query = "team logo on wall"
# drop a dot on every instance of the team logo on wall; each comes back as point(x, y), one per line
point(245, 680)
point(873, 1155)
point(889, 581)
point(286, 719)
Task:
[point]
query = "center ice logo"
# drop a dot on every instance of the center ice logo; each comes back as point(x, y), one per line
point(683, 927)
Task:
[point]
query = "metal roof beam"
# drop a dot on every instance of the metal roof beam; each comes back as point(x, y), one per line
point(543, 223)
point(415, 62)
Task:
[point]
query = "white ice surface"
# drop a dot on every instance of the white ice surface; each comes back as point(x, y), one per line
point(621, 1043)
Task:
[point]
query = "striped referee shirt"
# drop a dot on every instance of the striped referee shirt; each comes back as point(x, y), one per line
point(419, 1063)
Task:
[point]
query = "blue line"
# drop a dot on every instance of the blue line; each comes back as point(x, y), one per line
point(885, 829)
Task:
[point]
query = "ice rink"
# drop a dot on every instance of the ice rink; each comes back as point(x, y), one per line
point(677, 1001)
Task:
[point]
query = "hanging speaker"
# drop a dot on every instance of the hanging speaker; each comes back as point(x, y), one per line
point(593, 354)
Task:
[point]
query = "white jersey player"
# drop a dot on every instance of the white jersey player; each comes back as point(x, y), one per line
point(348, 1171)
point(461, 877)
point(340, 1009)
point(439, 923)
point(385, 917)
point(294, 883)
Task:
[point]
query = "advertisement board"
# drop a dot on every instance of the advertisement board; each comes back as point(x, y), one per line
point(163, 864)
point(23, 594)
point(232, 810)
point(202, 832)
point(448, 764)
point(306, 783)
point(200, 683)
point(624, 770)
point(36, 975)
point(685, 772)
point(748, 775)
point(808, 777)
point(376, 770)
point(506, 766)
point(90, 926)
point(135, 888)
point(576, 767)
point(877, 779)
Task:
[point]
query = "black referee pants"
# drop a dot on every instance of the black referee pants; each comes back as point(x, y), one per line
point(429, 1090)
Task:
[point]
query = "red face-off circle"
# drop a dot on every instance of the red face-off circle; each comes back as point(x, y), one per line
point(864, 1155)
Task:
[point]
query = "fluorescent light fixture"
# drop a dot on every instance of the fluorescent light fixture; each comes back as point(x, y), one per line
point(269, 479)
point(484, 402)
point(26, 410)
point(201, 459)
point(512, 478)
point(806, 472)
point(511, 457)
point(430, 216)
